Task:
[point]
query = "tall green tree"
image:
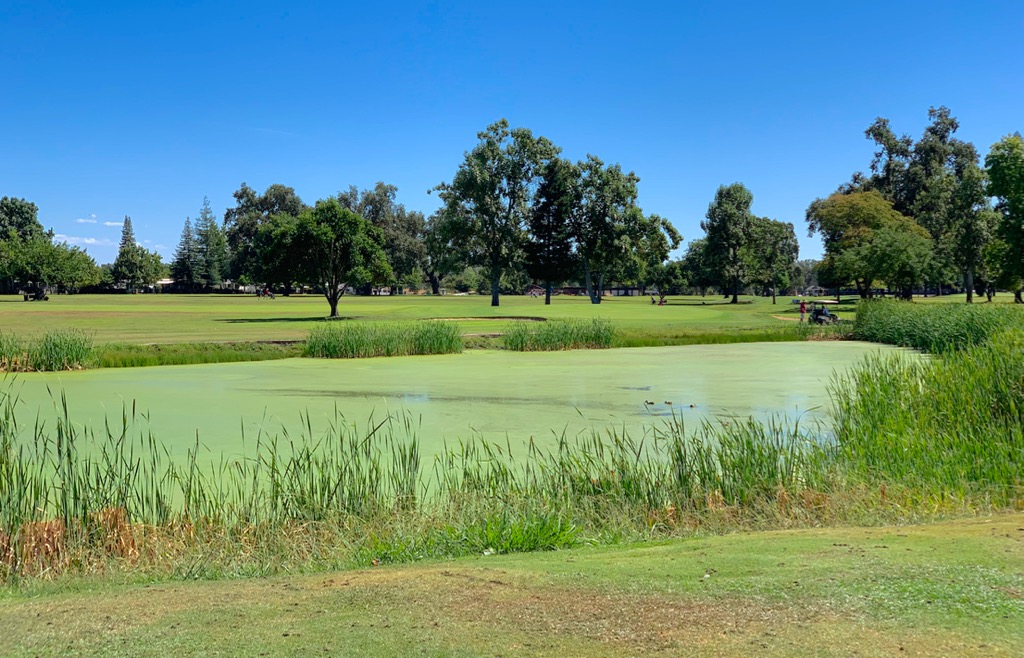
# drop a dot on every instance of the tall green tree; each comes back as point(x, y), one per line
point(20, 217)
point(931, 181)
point(439, 261)
point(727, 230)
point(243, 220)
point(487, 203)
point(128, 266)
point(212, 258)
point(772, 252)
point(1005, 166)
point(603, 221)
point(971, 224)
point(698, 267)
point(847, 223)
point(338, 249)
point(404, 230)
point(549, 250)
point(185, 266)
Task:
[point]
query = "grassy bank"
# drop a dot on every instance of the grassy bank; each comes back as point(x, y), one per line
point(554, 335)
point(933, 590)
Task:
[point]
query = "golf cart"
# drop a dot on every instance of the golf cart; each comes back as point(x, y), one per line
point(819, 312)
point(34, 294)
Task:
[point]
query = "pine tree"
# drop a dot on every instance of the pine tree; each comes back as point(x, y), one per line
point(128, 265)
point(185, 266)
point(211, 247)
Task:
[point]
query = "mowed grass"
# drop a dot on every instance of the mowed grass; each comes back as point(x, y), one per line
point(243, 318)
point(952, 588)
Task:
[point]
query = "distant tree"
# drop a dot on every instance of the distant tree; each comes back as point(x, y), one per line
point(74, 268)
point(972, 223)
point(923, 180)
point(805, 274)
point(899, 251)
point(280, 252)
point(668, 278)
point(549, 250)
point(1005, 166)
point(185, 267)
point(601, 224)
point(439, 261)
point(135, 265)
point(338, 249)
point(647, 243)
point(728, 226)
point(128, 266)
point(847, 223)
point(403, 230)
point(771, 252)
point(242, 222)
point(487, 204)
point(212, 258)
point(698, 267)
point(21, 217)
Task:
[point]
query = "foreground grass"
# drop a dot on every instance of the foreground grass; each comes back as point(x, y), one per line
point(951, 588)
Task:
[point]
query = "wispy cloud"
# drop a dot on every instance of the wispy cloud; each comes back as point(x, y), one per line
point(112, 224)
point(92, 215)
point(85, 221)
point(92, 242)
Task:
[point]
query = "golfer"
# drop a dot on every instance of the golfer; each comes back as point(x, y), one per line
point(803, 310)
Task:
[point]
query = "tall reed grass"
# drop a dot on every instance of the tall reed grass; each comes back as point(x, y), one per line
point(57, 349)
point(951, 425)
point(346, 340)
point(558, 335)
point(351, 495)
point(933, 327)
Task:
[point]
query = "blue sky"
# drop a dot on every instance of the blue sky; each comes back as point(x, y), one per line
point(110, 109)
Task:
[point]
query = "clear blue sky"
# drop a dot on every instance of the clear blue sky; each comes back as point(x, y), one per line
point(132, 108)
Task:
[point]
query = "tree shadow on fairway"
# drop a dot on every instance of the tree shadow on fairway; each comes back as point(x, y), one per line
point(316, 318)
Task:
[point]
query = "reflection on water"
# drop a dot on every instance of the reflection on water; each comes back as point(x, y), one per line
point(497, 394)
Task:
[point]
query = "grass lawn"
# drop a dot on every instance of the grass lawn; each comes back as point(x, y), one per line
point(953, 588)
point(243, 318)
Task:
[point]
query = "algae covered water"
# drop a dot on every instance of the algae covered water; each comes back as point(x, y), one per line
point(494, 394)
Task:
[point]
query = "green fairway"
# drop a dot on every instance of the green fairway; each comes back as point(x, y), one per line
point(224, 318)
point(936, 590)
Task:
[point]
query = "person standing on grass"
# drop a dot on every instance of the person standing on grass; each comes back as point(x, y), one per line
point(803, 310)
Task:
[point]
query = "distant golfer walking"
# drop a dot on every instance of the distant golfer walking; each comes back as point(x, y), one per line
point(803, 310)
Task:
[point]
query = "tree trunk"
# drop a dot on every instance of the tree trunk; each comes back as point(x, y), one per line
point(435, 283)
point(773, 289)
point(735, 290)
point(588, 280)
point(332, 299)
point(1017, 297)
point(495, 286)
point(547, 293)
point(599, 292)
point(969, 284)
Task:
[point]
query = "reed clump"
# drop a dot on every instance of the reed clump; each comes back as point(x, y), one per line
point(935, 328)
point(348, 340)
point(57, 349)
point(558, 335)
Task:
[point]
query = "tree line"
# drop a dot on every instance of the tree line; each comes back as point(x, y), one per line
point(516, 212)
point(928, 215)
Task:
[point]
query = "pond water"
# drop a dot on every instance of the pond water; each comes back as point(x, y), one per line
point(490, 393)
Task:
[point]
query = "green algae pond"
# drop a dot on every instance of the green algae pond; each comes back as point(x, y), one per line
point(497, 395)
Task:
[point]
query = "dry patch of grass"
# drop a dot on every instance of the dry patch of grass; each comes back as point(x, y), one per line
point(945, 589)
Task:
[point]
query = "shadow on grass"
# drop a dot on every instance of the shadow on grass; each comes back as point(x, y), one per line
point(267, 320)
